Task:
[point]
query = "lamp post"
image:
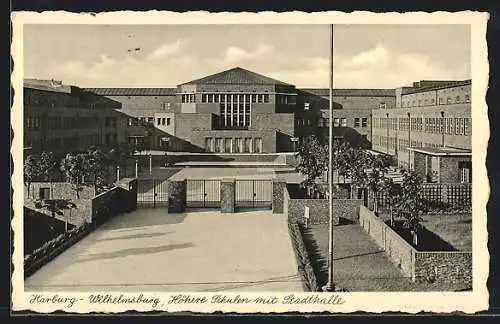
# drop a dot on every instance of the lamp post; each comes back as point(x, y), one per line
point(330, 286)
point(150, 164)
point(409, 142)
point(387, 124)
point(443, 128)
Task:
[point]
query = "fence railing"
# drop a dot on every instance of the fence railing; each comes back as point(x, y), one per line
point(449, 194)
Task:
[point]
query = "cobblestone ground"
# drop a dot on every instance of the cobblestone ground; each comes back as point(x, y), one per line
point(150, 250)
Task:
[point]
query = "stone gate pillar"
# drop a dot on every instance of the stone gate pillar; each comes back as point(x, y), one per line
point(176, 196)
point(279, 186)
point(227, 195)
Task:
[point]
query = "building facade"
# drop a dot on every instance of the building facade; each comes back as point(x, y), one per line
point(61, 118)
point(433, 114)
point(352, 109)
point(234, 111)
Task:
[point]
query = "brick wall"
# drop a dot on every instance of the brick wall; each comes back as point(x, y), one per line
point(449, 269)
point(59, 190)
point(449, 170)
point(399, 251)
point(319, 209)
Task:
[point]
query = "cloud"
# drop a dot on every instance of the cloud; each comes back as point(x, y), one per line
point(166, 50)
point(380, 67)
point(172, 63)
point(239, 55)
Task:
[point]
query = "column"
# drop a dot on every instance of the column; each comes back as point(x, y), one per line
point(227, 195)
point(225, 110)
point(176, 196)
point(279, 186)
point(237, 110)
point(244, 108)
point(232, 109)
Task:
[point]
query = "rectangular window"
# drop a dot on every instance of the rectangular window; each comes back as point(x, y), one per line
point(336, 122)
point(168, 121)
point(44, 193)
point(248, 145)
point(158, 121)
point(356, 122)
point(163, 121)
point(228, 145)
point(382, 105)
point(467, 98)
point(343, 122)
point(448, 101)
point(457, 126)
point(466, 126)
point(238, 145)
point(266, 98)
point(306, 106)
point(441, 126)
point(364, 122)
point(461, 122)
point(219, 145)
point(257, 145)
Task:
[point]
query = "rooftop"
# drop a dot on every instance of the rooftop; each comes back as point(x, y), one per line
point(426, 85)
point(237, 75)
point(325, 92)
point(47, 85)
point(441, 151)
point(133, 91)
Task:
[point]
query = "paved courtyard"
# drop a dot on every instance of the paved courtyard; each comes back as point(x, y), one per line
point(150, 250)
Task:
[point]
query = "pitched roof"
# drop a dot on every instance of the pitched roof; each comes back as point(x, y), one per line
point(47, 85)
point(425, 85)
point(133, 91)
point(237, 75)
point(325, 92)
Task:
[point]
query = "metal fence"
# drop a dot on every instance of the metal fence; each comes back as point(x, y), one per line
point(152, 193)
point(254, 193)
point(203, 193)
point(449, 194)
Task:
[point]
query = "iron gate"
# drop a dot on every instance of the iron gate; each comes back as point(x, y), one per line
point(254, 193)
point(152, 193)
point(203, 193)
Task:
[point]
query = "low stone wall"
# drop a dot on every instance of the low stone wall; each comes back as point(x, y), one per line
point(398, 250)
point(448, 269)
point(304, 264)
point(319, 209)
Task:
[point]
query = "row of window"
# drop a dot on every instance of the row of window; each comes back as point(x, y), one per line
point(432, 101)
point(403, 144)
point(75, 141)
point(233, 145)
point(302, 122)
point(235, 114)
point(140, 121)
point(163, 121)
point(235, 98)
point(342, 122)
point(66, 122)
point(435, 125)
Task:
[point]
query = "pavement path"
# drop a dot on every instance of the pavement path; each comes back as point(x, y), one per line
point(150, 250)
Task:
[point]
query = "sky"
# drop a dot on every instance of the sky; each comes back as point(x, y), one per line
point(366, 56)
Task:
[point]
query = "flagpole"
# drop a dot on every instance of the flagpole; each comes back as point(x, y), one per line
point(330, 286)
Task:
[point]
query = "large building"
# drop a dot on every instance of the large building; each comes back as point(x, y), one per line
point(431, 118)
point(240, 111)
point(352, 109)
point(234, 111)
point(60, 118)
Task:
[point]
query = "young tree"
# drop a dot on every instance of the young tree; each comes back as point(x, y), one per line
point(47, 165)
point(96, 167)
point(392, 192)
point(411, 203)
point(75, 167)
point(312, 160)
point(356, 162)
point(31, 170)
